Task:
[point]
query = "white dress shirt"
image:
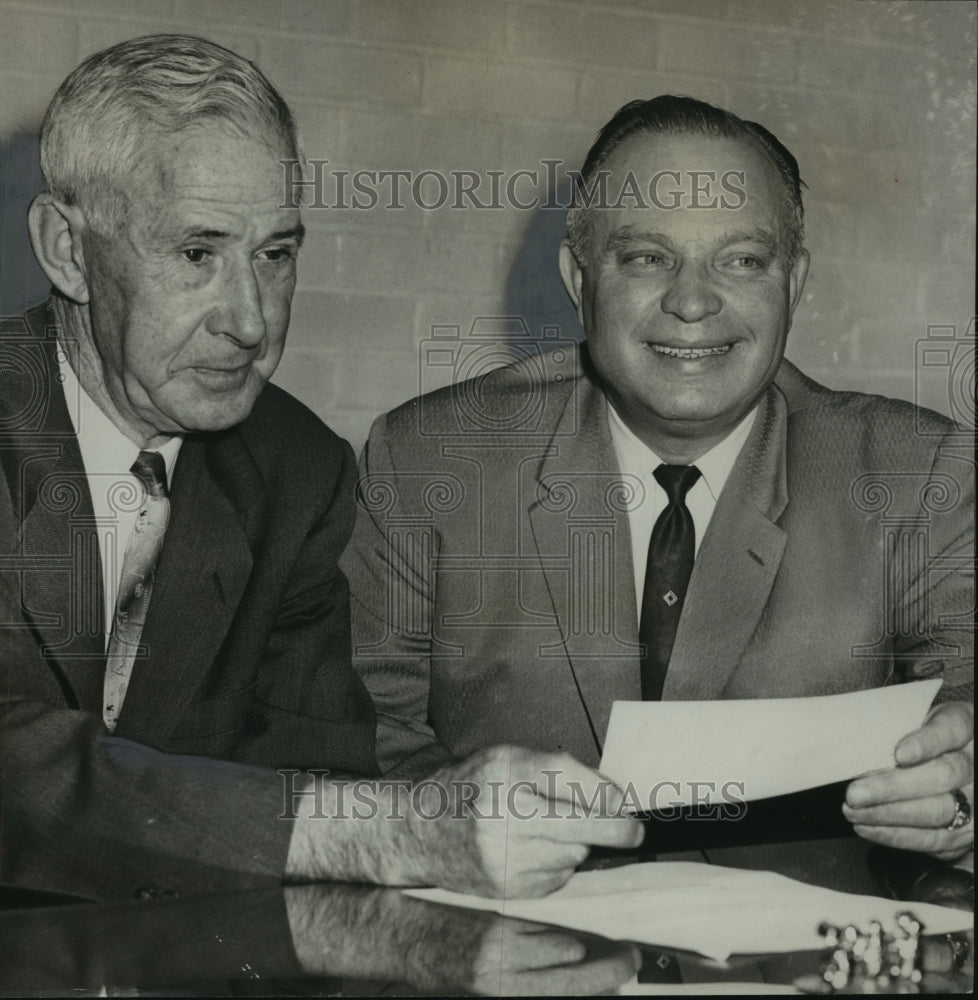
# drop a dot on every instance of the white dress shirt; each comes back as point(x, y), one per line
point(637, 462)
point(116, 493)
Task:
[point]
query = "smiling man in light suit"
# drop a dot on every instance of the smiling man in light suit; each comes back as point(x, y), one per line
point(673, 511)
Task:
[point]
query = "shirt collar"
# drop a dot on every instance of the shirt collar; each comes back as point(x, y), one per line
point(104, 448)
point(635, 458)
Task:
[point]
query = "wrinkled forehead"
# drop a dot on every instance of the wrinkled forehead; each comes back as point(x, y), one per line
point(208, 181)
point(210, 163)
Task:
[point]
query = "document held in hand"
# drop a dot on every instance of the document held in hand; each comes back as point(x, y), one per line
point(673, 753)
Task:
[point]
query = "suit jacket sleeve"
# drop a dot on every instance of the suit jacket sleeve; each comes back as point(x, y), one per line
point(87, 814)
point(392, 646)
point(934, 597)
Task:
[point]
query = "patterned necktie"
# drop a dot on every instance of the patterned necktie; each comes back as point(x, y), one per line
point(667, 571)
point(136, 582)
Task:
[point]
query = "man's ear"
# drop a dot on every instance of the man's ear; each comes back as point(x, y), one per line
point(56, 230)
point(573, 276)
point(796, 280)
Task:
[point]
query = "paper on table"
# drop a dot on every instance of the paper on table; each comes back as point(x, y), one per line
point(675, 753)
point(712, 910)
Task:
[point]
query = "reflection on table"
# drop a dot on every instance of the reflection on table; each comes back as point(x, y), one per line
point(355, 940)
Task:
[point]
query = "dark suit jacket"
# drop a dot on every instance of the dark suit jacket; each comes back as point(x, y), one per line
point(247, 648)
point(491, 571)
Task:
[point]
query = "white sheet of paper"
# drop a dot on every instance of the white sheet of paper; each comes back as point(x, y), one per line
point(704, 908)
point(705, 752)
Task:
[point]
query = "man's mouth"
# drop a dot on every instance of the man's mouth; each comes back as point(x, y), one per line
point(690, 353)
point(222, 377)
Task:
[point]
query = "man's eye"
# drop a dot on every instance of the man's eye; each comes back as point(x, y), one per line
point(195, 255)
point(277, 254)
point(648, 259)
point(748, 261)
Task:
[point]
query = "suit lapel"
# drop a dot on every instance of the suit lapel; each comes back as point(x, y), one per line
point(56, 548)
point(62, 583)
point(217, 512)
point(581, 534)
point(736, 564)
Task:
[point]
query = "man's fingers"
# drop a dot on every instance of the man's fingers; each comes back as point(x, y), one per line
point(950, 726)
point(541, 949)
point(600, 973)
point(547, 846)
point(933, 811)
point(520, 946)
point(556, 777)
point(553, 856)
point(942, 844)
point(916, 825)
point(568, 780)
point(944, 774)
point(526, 867)
point(565, 822)
point(531, 884)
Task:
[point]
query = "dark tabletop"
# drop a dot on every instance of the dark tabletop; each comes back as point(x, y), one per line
point(359, 941)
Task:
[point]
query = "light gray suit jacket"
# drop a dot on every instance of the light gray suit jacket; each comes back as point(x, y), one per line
point(491, 571)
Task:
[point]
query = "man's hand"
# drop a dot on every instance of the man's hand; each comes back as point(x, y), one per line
point(355, 931)
point(489, 955)
point(911, 805)
point(509, 822)
point(503, 822)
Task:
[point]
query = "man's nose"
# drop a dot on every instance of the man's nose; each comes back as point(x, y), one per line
point(238, 315)
point(691, 295)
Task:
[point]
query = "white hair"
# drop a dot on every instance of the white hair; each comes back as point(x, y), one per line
point(118, 98)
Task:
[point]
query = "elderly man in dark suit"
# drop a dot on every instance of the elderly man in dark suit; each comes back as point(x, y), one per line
point(672, 511)
point(174, 632)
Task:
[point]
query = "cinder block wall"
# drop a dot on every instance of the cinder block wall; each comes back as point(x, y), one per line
point(876, 99)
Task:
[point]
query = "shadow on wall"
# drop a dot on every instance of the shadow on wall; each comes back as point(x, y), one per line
point(23, 284)
point(534, 290)
point(538, 321)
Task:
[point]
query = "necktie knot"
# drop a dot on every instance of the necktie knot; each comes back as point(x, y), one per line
point(150, 469)
point(676, 480)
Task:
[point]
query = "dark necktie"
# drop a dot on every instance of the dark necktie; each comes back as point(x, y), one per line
point(135, 582)
point(667, 571)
